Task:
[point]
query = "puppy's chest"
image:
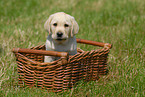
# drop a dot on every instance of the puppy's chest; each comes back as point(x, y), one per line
point(69, 47)
point(62, 48)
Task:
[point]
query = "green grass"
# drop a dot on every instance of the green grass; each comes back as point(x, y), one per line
point(119, 22)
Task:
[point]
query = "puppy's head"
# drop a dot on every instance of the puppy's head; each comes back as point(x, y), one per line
point(61, 26)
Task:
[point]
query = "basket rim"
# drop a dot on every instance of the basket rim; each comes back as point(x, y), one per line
point(49, 64)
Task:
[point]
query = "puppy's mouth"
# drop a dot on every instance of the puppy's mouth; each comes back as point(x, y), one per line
point(61, 39)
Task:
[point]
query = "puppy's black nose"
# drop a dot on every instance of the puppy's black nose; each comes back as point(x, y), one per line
point(59, 34)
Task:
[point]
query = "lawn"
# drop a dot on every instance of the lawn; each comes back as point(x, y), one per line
point(118, 22)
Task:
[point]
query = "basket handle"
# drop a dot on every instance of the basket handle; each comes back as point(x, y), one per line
point(59, 54)
point(40, 52)
point(106, 45)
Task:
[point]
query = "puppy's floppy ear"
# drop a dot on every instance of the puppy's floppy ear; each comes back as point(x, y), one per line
point(47, 24)
point(74, 27)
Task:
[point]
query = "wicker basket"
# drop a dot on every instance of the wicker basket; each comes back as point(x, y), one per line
point(61, 74)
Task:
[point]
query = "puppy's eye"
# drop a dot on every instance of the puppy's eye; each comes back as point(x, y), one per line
point(66, 25)
point(55, 24)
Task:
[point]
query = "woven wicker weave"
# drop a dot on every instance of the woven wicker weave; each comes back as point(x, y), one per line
point(61, 74)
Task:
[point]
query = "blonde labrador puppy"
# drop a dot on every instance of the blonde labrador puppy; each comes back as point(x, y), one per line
point(62, 29)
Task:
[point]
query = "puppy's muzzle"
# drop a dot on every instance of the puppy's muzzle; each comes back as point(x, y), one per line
point(60, 36)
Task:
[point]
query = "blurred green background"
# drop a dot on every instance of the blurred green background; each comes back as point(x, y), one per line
point(119, 22)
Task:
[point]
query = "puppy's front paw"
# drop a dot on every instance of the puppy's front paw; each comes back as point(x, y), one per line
point(48, 59)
